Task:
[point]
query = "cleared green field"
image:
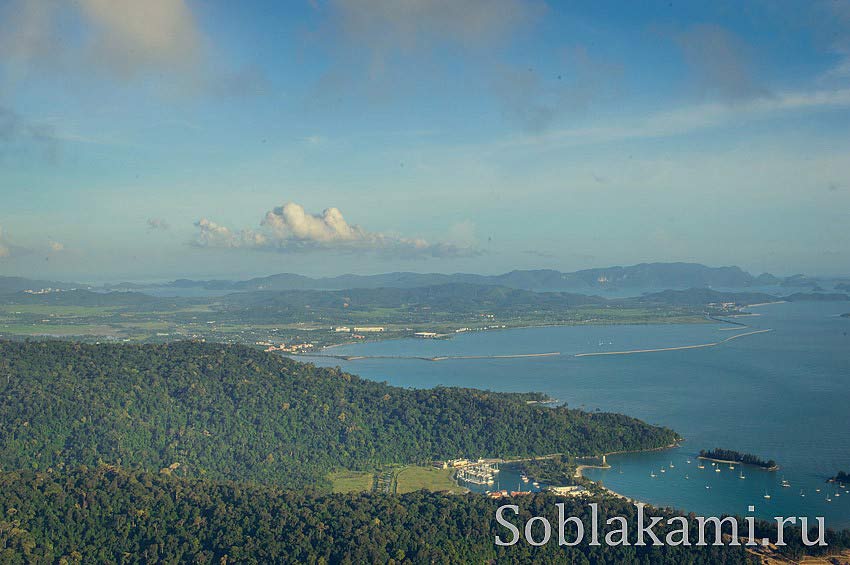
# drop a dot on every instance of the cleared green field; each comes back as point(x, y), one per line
point(413, 478)
point(58, 310)
point(56, 329)
point(351, 481)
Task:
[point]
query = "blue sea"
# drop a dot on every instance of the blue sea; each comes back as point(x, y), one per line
point(782, 395)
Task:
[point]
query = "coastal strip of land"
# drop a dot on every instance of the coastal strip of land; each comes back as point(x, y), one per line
point(679, 348)
point(766, 303)
point(732, 462)
point(579, 472)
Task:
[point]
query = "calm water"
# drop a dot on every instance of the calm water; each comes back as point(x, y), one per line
point(783, 395)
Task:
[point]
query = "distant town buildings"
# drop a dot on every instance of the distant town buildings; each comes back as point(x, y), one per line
point(368, 329)
point(294, 348)
point(47, 290)
point(572, 490)
point(426, 335)
point(726, 306)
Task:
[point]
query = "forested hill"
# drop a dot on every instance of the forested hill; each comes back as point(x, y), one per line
point(108, 515)
point(231, 412)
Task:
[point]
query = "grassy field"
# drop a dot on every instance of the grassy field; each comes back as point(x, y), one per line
point(158, 323)
point(399, 480)
point(351, 481)
point(413, 478)
point(56, 330)
point(57, 310)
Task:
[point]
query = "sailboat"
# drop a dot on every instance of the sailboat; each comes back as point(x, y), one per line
point(717, 470)
point(700, 466)
point(671, 465)
point(741, 474)
point(802, 493)
point(767, 496)
point(652, 474)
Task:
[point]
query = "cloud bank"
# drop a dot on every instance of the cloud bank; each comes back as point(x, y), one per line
point(121, 40)
point(384, 26)
point(720, 62)
point(121, 37)
point(290, 228)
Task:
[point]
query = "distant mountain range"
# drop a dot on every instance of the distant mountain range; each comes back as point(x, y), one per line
point(645, 276)
point(635, 278)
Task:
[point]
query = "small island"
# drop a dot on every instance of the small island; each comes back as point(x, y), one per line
point(842, 477)
point(729, 456)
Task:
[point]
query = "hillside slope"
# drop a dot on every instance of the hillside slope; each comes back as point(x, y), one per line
point(231, 412)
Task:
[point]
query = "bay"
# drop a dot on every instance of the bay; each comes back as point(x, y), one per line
point(782, 395)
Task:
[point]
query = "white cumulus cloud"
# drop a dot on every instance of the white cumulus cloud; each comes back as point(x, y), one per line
point(290, 228)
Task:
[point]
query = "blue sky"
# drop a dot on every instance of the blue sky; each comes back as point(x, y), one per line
point(214, 139)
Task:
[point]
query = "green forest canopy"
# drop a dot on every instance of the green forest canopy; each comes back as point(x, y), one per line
point(231, 412)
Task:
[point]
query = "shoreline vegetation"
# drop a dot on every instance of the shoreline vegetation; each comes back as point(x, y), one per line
point(736, 458)
point(325, 419)
point(604, 456)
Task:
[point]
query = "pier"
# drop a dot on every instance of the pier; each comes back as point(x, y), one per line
point(422, 358)
point(679, 348)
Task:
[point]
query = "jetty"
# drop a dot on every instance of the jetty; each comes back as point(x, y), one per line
point(436, 358)
point(679, 348)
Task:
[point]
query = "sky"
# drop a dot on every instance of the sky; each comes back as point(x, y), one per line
point(215, 139)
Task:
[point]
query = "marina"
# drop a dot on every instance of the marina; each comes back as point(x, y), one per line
point(479, 473)
point(751, 395)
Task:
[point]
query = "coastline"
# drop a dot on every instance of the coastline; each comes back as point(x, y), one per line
point(321, 353)
point(579, 472)
point(659, 322)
